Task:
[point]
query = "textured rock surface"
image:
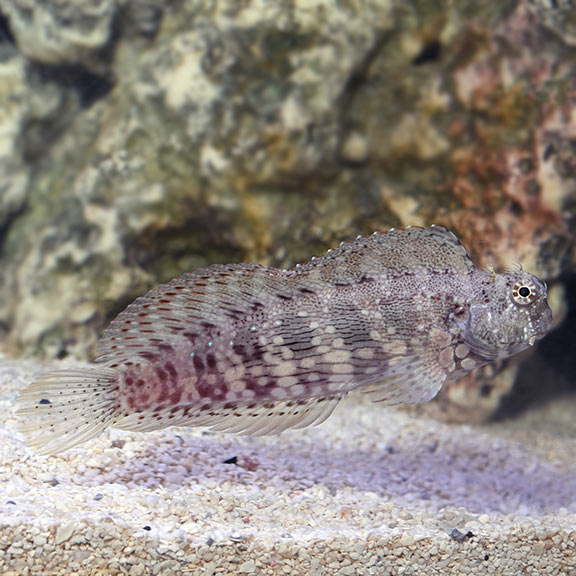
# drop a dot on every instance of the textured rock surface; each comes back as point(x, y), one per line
point(370, 491)
point(145, 138)
point(56, 32)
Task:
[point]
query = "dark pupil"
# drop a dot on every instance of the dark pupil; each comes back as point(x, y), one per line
point(524, 292)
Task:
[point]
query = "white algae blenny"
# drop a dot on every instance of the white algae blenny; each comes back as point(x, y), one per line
point(252, 349)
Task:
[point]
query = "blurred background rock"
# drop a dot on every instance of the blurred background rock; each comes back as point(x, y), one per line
point(140, 139)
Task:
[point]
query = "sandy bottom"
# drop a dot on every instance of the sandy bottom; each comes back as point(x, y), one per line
point(371, 491)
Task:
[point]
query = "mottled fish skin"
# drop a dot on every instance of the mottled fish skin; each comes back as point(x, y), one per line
point(252, 349)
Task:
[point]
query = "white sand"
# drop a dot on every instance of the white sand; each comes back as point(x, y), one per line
point(371, 491)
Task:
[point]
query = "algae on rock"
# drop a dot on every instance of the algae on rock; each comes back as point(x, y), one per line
point(141, 139)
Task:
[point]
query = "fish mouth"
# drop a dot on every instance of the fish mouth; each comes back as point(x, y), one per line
point(538, 330)
point(535, 333)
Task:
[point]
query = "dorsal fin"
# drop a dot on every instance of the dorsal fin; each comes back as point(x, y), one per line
point(193, 303)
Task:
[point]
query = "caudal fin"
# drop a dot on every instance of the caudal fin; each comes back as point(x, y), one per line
point(65, 408)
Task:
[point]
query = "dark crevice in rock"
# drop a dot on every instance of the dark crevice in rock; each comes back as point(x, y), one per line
point(180, 251)
point(359, 76)
point(6, 36)
point(430, 52)
point(6, 222)
point(89, 87)
point(354, 85)
point(143, 18)
point(80, 88)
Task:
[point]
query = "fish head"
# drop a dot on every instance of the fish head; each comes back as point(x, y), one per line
point(511, 315)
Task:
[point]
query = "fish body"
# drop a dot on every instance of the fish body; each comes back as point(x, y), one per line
point(253, 349)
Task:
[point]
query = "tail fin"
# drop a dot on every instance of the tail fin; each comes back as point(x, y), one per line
point(65, 408)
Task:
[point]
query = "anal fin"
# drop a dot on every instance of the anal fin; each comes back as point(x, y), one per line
point(255, 419)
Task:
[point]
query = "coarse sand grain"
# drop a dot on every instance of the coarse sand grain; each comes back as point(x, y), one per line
point(371, 491)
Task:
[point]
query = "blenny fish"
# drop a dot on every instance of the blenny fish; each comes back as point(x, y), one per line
point(252, 349)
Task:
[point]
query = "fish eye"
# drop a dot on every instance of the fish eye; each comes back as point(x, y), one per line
point(523, 293)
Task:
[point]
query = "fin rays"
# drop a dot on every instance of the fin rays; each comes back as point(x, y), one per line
point(414, 381)
point(65, 408)
point(255, 420)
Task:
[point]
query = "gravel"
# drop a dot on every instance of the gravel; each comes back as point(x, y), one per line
point(371, 491)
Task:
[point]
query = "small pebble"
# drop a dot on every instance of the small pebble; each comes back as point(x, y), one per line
point(460, 536)
point(248, 567)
